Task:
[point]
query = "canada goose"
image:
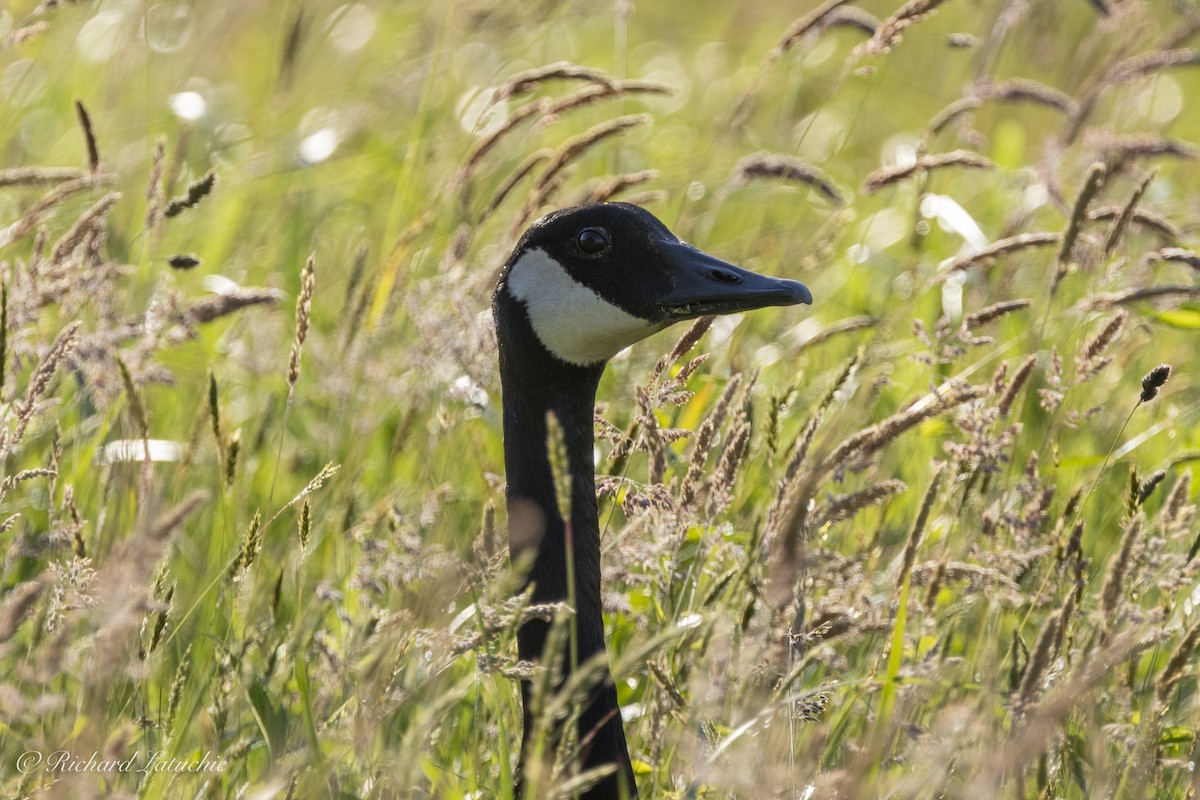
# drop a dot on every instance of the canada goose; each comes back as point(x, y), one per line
point(582, 284)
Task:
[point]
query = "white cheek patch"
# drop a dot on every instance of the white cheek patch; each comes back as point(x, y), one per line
point(572, 321)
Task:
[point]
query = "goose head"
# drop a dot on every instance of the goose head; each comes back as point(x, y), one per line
point(593, 279)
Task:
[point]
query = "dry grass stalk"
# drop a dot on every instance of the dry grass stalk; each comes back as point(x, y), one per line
point(1177, 499)
point(1089, 97)
point(303, 310)
point(1042, 724)
point(1139, 66)
point(1024, 90)
point(39, 176)
point(648, 197)
point(800, 27)
point(1088, 360)
point(690, 338)
point(354, 280)
point(560, 465)
point(1072, 553)
point(590, 94)
point(1148, 485)
point(19, 36)
point(560, 168)
point(214, 412)
point(603, 189)
point(1189, 257)
point(3, 336)
point(1177, 665)
point(994, 311)
point(962, 572)
point(231, 458)
point(961, 106)
point(304, 525)
point(518, 174)
point(154, 186)
point(327, 472)
point(11, 481)
point(787, 167)
point(91, 220)
point(530, 79)
point(1039, 659)
point(918, 529)
point(1117, 231)
point(38, 253)
point(847, 325)
point(846, 506)
point(89, 136)
point(934, 588)
point(794, 491)
point(576, 146)
point(487, 143)
point(54, 197)
point(175, 693)
point(165, 525)
point(871, 439)
point(125, 586)
point(206, 309)
point(17, 606)
point(1014, 387)
point(7, 525)
point(251, 542)
point(890, 31)
point(541, 195)
point(1091, 186)
point(851, 17)
point(1120, 149)
point(955, 158)
point(997, 249)
point(703, 439)
point(1014, 90)
point(56, 456)
point(1145, 293)
point(671, 687)
point(1118, 570)
point(64, 345)
point(726, 471)
point(136, 409)
point(1141, 216)
point(197, 190)
point(548, 111)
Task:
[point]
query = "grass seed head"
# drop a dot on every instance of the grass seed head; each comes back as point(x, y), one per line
point(89, 136)
point(1154, 380)
point(886, 176)
point(303, 313)
point(197, 190)
point(1119, 570)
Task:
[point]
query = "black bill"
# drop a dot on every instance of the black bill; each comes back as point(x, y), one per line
point(708, 285)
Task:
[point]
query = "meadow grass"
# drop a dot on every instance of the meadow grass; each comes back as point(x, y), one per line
point(933, 537)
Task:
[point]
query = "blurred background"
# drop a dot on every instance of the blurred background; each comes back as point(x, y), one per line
point(333, 614)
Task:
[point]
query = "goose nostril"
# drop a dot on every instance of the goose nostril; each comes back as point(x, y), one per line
point(723, 276)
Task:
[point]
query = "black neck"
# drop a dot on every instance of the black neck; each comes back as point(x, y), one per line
point(533, 383)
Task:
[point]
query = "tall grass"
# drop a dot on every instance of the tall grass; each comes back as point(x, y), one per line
point(934, 538)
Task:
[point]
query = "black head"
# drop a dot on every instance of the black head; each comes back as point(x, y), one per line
point(594, 279)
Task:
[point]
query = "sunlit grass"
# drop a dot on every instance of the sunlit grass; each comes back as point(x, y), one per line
point(308, 580)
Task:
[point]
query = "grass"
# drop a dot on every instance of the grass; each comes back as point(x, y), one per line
point(934, 537)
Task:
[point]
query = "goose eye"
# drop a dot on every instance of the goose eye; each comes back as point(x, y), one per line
point(592, 241)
